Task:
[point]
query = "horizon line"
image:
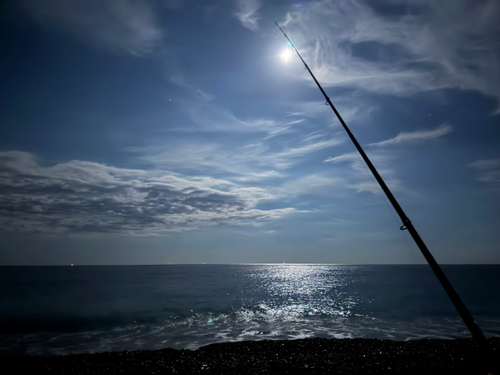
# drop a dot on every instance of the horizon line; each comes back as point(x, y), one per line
point(245, 264)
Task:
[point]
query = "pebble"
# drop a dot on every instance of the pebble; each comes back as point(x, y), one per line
point(305, 356)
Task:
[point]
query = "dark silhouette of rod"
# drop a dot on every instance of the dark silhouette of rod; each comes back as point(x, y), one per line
point(462, 310)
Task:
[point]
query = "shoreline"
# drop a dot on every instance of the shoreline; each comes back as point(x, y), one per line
point(302, 356)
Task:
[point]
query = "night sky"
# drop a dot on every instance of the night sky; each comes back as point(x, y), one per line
point(172, 131)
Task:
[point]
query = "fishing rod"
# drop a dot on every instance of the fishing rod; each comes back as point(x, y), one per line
point(407, 224)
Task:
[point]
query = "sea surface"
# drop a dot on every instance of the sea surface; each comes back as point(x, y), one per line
point(89, 309)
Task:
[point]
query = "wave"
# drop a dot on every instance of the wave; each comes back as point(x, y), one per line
point(261, 323)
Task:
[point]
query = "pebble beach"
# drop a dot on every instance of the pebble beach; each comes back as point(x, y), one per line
point(304, 356)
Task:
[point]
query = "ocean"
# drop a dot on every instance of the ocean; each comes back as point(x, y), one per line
point(90, 309)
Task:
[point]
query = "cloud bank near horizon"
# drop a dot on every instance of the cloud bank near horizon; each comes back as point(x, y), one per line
point(79, 196)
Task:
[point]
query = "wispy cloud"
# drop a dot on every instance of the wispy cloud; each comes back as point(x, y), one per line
point(416, 136)
point(79, 196)
point(308, 148)
point(214, 118)
point(272, 144)
point(251, 162)
point(488, 171)
point(360, 178)
point(291, 156)
point(251, 177)
point(357, 163)
point(115, 25)
point(354, 108)
point(312, 184)
point(422, 45)
point(247, 13)
point(210, 116)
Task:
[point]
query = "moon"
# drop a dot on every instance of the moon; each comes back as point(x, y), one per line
point(286, 55)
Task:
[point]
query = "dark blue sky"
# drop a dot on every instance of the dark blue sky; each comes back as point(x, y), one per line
point(175, 131)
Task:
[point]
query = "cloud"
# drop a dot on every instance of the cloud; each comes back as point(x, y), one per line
point(79, 196)
point(209, 116)
point(115, 25)
point(380, 159)
point(419, 45)
point(309, 147)
point(488, 171)
point(249, 159)
point(315, 183)
point(360, 178)
point(247, 13)
point(291, 156)
point(213, 118)
point(354, 108)
point(250, 162)
point(416, 136)
point(259, 176)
